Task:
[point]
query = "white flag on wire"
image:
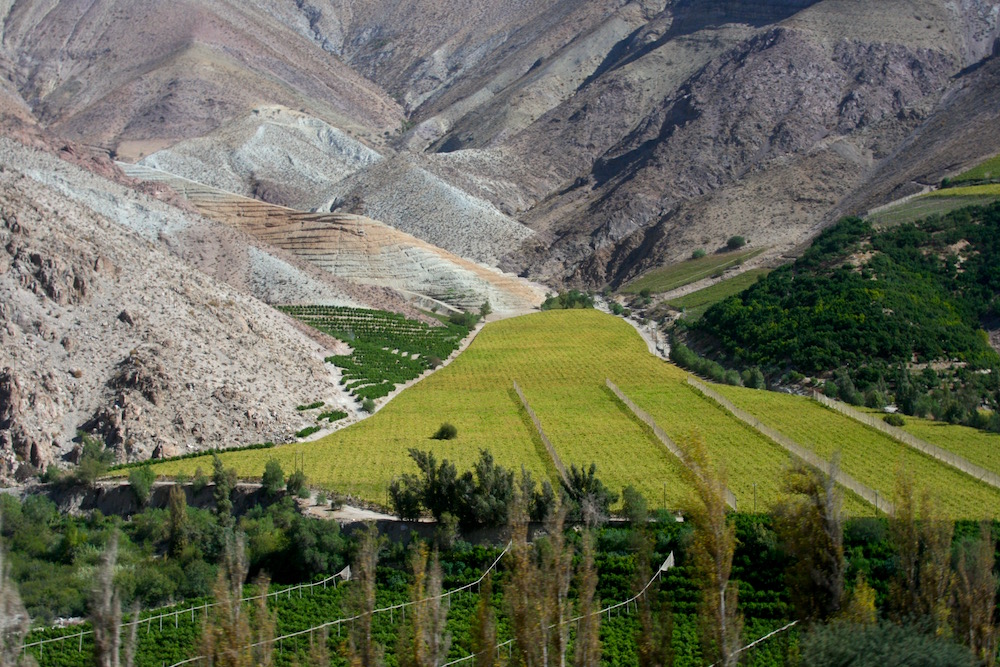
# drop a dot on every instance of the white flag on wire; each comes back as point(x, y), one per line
point(667, 564)
point(345, 574)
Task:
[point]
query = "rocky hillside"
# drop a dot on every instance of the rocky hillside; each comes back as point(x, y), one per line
point(136, 77)
point(104, 329)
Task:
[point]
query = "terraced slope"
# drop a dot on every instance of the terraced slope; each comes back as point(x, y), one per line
point(360, 249)
point(868, 455)
point(561, 360)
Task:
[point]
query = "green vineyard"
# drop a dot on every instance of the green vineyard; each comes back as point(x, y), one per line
point(387, 349)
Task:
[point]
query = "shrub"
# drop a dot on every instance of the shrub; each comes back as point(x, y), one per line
point(467, 320)
point(485, 309)
point(321, 499)
point(894, 420)
point(331, 415)
point(306, 432)
point(698, 253)
point(94, 460)
point(311, 406)
point(735, 242)
point(446, 432)
point(368, 405)
point(297, 483)
point(273, 479)
point(141, 482)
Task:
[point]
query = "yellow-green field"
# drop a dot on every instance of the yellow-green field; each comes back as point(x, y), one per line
point(986, 190)
point(671, 277)
point(561, 359)
point(922, 207)
point(985, 171)
point(979, 447)
point(869, 456)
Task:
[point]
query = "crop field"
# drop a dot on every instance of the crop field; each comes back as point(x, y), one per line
point(921, 207)
point(986, 171)
point(696, 303)
point(386, 348)
point(561, 359)
point(677, 275)
point(869, 456)
point(985, 190)
point(979, 447)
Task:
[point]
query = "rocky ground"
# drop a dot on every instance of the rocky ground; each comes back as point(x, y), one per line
point(103, 329)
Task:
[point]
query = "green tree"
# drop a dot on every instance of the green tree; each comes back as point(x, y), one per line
point(177, 521)
point(273, 479)
point(224, 480)
point(975, 596)
point(424, 641)
point(809, 523)
point(587, 647)
point(712, 547)
point(297, 483)
point(140, 480)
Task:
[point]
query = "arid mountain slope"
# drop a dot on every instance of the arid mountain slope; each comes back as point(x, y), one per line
point(103, 330)
point(136, 76)
point(584, 142)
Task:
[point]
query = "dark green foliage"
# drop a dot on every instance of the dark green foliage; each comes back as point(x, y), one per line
point(921, 292)
point(589, 500)
point(617, 308)
point(94, 460)
point(224, 480)
point(331, 415)
point(387, 349)
point(445, 432)
point(311, 406)
point(687, 358)
point(405, 495)
point(698, 253)
point(894, 420)
point(882, 645)
point(296, 483)
point(140, 480)
point(753, 378)
point(273, 479)
point(635, 506)
point(466, 320)
point(368, 405)
point(191, 455)
point(735, 242)
point(307, 431)
point(479, 497)
point(566, 300)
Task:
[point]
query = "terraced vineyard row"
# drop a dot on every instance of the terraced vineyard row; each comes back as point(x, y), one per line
point(387, 349)
point(868, 455)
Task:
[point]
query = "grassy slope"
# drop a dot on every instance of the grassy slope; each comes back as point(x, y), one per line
point(869, 456)
point(671, 277)
point(560, 359)
point(696, 303)
point(922, 207)
point(979, 447)
point(988, 170)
